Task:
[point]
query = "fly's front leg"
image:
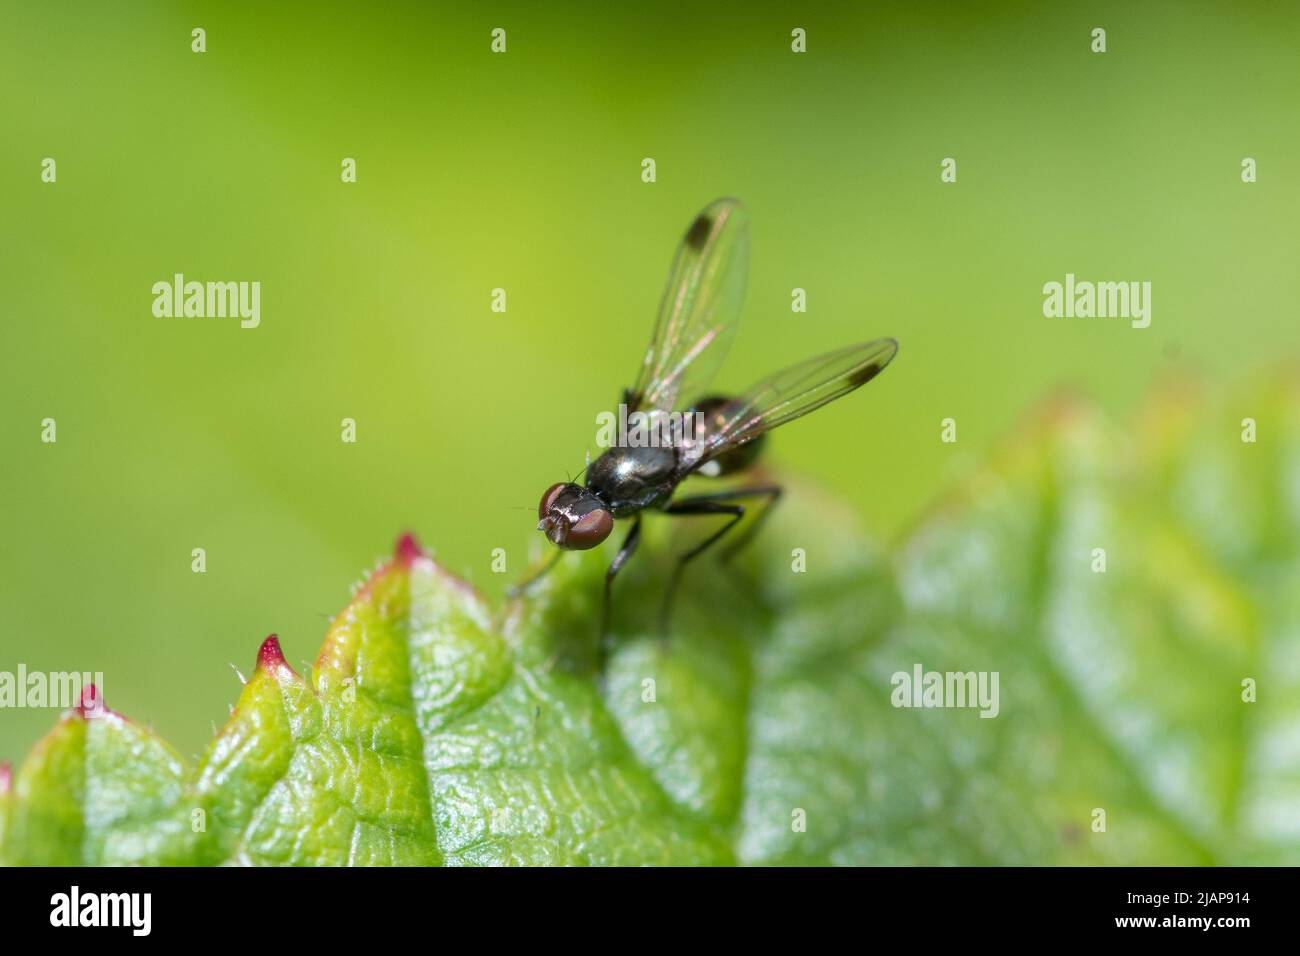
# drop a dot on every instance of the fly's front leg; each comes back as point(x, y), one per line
point(620, 559)
point(523, 586)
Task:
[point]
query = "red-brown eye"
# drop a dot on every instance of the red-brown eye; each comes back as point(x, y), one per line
point(548, 499)
point(590, 530)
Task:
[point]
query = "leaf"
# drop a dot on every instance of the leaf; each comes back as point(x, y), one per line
point(432, 731)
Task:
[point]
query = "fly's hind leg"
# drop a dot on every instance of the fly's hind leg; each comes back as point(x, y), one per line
point(719, 503)
point(771, 495)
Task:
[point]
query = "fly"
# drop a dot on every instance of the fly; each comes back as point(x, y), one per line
point(695, 327)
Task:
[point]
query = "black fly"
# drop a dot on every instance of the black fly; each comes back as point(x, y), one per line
point(696, 324)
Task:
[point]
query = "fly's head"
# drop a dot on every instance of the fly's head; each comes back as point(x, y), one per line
point(573, 517)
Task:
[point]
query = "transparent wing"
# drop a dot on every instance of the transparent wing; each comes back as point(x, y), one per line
point(789, 394)
point(700, 308)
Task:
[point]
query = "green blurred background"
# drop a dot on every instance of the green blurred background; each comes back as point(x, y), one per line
point(522, 171)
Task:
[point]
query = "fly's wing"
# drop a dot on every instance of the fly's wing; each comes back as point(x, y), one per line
point(789, 394)
point(700, 309)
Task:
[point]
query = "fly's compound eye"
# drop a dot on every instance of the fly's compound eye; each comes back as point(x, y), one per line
point(590, 530)
point(548, 499)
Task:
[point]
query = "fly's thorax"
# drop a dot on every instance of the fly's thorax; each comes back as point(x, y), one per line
point(628, 479)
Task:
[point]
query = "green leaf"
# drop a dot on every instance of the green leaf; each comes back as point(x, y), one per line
point(431, 730)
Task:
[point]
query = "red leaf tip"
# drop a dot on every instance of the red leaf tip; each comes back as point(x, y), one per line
point(408, 550)
point(6, 777)
point(270, 657)
point(91, 703)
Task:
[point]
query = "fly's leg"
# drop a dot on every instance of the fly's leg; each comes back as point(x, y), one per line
point(691, 507)
point(523, 586)
point(771, 495)
point(626, 551)
point(719, 503)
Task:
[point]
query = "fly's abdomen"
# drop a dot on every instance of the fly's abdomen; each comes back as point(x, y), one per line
point(715, 412)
